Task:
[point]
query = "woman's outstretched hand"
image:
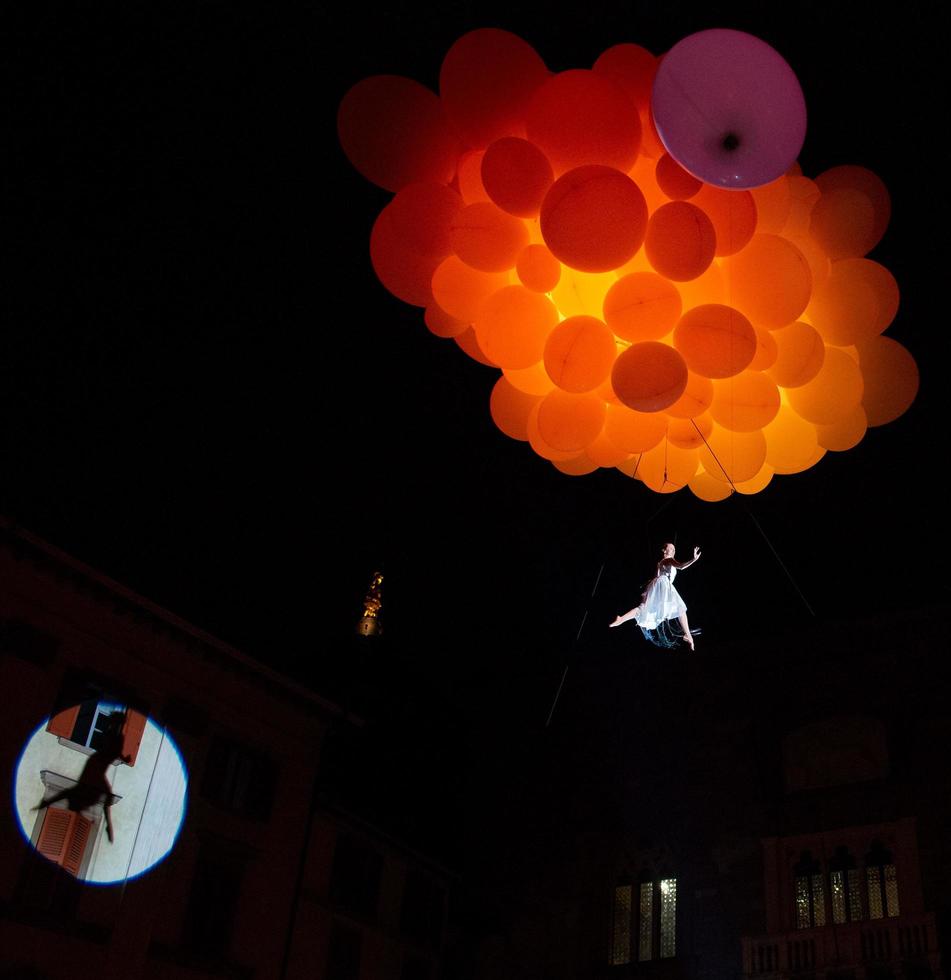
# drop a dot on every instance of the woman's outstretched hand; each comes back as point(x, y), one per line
point(696, 553)
point(617, 622)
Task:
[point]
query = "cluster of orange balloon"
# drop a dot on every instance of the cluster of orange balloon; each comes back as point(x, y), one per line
point(684, 332)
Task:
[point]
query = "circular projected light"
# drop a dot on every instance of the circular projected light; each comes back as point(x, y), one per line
point(101, 790)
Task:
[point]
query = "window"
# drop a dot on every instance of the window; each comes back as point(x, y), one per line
point(844, 886)
point(355, 877)
point(87, 722)
point(239, 778)
point(212, 903)
point(810, 893)
point(343, 953)
point(422, 911)
point(882, 881)
point(63, 838)
point(655, 915)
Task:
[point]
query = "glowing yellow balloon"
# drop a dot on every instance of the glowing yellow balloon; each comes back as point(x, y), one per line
point(705, 487)
point(745, 403)
point(844, 434)
point(800, 355)
point(667, 468)
point(642, 306)
point(733, 457)
point(769, 281)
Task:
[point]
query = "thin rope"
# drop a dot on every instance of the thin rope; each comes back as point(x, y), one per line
point(756, 522)
point(145, 803)
point(584, 619)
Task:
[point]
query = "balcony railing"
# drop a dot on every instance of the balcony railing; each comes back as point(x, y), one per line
point(900, 939)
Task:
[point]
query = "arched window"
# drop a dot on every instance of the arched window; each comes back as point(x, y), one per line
point(845, 886)
point(882, 882)
point(621, 923)
point(810, 893)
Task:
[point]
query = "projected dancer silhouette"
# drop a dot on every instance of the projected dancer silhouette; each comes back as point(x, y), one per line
point(93, 786)
point(660, 601)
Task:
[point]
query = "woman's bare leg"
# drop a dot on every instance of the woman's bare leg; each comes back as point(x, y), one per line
point(688, 639)
point(624, 617)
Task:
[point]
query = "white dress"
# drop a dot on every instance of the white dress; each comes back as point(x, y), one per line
point(660, 601)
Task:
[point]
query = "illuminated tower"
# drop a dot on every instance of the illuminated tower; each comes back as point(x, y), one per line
point(371, 620)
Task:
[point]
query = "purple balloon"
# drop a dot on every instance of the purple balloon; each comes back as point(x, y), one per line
point(729, 109)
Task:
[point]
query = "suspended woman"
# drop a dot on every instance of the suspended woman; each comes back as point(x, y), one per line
point(660, 600)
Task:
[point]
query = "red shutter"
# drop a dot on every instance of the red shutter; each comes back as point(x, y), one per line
point(62, 724)
point(63, 838)
point(54, 833)
point(132, 734)
point(76, 845)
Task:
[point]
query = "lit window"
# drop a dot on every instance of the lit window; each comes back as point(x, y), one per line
point(654, 917)
point(668, 918)
point(646, 932)
point(810, 893)
point(882, 881)
point(844, 885)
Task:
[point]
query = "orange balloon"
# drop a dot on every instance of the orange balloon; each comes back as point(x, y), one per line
point(769, 281)
point(394, 132)
point(540, 446)
point(832, 394)
point(579, 353)
point(773, 203)
point(696, 399)
point(800, 355)
point(857, 302)
point(759, 482)
point(441, 323)
point(649, 377)
point(422, 215)
point(570, 422)
point(844, 434)
point(689, 433)
point(732, 213)
point(853, 212)
point(532, 380)
point(469, 177)
point(406, 273)
point(513, 326)
point(581, 465)
point(593, 218)
point(538, 269)
point(819, 264)
point(510, 409)
point(733, 457)
point(582, 293)
point(705, 487)
point(644, 174)
point(707, 288)
point(603, 452)
point(486, 81)
point(674, 181)
point(487, 238)
point(516, 175)
point(667, 468)
point(745, 403)
point(891, 379)
point(680, 241)
point(766, 350)
point(803, 194)
point(633, 432)
point(642, 306)
point(461, 290)
point(715, 341)
point(580, 117)
point(791, 444)
point(632, 68)
point(469, 344)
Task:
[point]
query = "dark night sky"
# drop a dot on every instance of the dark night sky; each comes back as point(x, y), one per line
point(207, 395)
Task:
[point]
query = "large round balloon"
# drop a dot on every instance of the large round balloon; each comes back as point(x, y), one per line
point(728, 108)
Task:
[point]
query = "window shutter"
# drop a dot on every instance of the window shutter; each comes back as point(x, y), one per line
point(63, 723)
point(63, 838)
point(132, 734)
point(76, 845)
point(54, 834)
